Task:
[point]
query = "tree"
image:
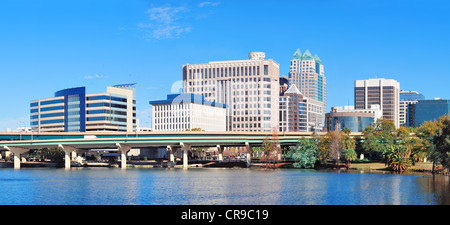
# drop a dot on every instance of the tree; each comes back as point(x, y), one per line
point(347, 131)
point(305, 153)
point(347, 141)
point(442, 142)
point(397, 157)
point(54, 154)
point(427, 133)
point(323, 148)
point(269, 149)
point(349, 145)
point(403, 132)
point(378, 137)
point(336, 146)
point(349, 155)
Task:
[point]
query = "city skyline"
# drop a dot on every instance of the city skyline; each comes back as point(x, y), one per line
point(53, 45)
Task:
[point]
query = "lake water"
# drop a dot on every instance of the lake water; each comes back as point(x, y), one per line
point(212, 186)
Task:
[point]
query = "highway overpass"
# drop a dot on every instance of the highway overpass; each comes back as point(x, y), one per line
point(21, 143)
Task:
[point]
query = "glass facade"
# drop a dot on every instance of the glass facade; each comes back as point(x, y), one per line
point(354, 123)
point(74, 109)
point(411, 96)
point(429, 110)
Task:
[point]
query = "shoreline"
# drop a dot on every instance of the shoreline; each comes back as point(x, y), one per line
point(420, 168)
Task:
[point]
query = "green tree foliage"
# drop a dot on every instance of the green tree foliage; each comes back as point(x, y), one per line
point(349, 155)
point(53, 154)
point(442, 142)
point(426, 134)
point(398, 157)
point(305, 153)
point(331, 145)
point(347, 131)
point(378, 137)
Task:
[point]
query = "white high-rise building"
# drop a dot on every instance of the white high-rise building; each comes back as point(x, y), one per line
point(379, 91)
point(249, 88)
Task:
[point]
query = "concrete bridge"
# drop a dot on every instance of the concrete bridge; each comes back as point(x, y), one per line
point(21, 143)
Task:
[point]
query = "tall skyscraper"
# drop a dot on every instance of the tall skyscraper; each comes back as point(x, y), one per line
point(72, 110)
point(379, 91)
point(307, 73)
point(249, 88)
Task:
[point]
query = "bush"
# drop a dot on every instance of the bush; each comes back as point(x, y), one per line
point(304, 154)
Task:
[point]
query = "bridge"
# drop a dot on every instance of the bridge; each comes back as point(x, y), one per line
point(79, 142)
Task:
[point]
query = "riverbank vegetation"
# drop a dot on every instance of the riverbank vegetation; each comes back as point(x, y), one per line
point(399, 149)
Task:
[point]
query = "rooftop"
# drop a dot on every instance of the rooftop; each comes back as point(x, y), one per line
point(186, 98)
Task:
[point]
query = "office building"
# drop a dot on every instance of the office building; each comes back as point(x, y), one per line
point(379, 91)
point(72, 110)
point(407, 98)
point(180, 112)
point(299, 113)
point(428, 110)
point(355, 119)
point(249, 88)
point(307, 73)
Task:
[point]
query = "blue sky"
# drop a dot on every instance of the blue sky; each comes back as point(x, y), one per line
point(46, 46)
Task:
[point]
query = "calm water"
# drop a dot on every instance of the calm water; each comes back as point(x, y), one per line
point(105, 186)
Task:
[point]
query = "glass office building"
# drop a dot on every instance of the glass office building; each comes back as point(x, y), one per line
point(354, 123)
point(429, 110)
point(408, 98)
point(72, 110)
point(348, 117)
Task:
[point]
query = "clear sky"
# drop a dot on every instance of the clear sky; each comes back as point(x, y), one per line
point(46, 46)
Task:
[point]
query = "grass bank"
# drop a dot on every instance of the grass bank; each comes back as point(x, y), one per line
point(418, 167)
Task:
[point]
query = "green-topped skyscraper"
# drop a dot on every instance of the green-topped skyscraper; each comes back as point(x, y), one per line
point(307, 73)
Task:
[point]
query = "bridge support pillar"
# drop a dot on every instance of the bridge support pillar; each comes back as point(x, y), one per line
point(123, 149)
point(186, 148)
point(220, 150)
point(249, 149)
point(171, 157)
point(279, 152)
point(17, 154)
point(67, 154)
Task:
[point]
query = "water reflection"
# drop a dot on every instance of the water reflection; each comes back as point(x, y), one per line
point(439, 186)
point(102, 186)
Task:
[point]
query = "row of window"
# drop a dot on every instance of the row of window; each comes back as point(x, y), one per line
point(106, 118)
point(47, 109)
point(112, 105)
point(206, 73)
point(106, 97)
point(246, 106)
